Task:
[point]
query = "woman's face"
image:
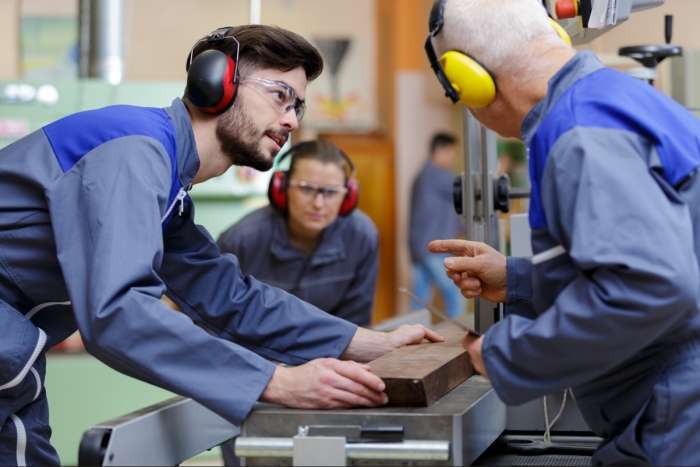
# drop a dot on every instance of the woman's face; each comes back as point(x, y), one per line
point(310, 210)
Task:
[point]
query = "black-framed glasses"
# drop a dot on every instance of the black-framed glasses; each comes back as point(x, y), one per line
point(311, 190)
point(280, 95)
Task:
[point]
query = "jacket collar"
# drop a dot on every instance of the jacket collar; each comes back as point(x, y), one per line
point(582, 64)
point(187, 156)
point(330, 248)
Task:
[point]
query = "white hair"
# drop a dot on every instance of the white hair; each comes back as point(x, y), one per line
point(504, 35)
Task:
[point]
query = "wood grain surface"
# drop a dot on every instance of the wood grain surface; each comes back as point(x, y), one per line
point(419, 375)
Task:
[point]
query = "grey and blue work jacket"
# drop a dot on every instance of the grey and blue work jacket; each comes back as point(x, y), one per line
point(610, 297)
point(95, 226)
point(339, 276)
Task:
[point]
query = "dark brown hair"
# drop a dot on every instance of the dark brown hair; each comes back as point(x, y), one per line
point(319, 150)
point(442, 140)
point(265, 47)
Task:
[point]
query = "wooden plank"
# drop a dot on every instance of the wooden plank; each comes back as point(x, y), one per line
point(419, 375)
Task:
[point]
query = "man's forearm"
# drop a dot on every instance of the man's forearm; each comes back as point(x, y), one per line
point(367, 345)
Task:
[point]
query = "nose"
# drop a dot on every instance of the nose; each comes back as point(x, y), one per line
point(319, 200)
point(289, 120)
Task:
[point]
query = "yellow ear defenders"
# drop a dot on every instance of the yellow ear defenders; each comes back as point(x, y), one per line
point(462, 76)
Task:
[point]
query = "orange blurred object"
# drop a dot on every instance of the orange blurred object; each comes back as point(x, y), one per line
point(72, 344)
point(567, 9)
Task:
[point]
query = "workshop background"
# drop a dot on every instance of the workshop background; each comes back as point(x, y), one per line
point(377, 100)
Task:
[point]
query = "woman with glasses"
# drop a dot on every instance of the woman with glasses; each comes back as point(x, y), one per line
point(310, 240)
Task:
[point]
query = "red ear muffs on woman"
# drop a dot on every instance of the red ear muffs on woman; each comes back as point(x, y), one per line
point(277, 191)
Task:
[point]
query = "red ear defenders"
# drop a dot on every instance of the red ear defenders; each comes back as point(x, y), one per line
point(212, 77)
point(277, 191)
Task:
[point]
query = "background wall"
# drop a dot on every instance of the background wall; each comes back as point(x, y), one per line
point(9, 38)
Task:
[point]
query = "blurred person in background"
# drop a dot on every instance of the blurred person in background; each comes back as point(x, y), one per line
point(433, 217)
point(310, 240)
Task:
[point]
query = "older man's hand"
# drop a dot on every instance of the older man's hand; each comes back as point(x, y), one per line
point(477, 269)
point(473, 345)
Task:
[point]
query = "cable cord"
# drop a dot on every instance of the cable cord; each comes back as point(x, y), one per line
point(548, 426)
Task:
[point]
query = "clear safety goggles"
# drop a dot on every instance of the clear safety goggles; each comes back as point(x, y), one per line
point(282, 97)
point(311, 190)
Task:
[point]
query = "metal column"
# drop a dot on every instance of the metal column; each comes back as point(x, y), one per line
point(102, 40)
point(481, 219)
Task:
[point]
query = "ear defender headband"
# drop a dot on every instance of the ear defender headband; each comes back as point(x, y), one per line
point(212, 78)
point(279, 183)
point(461, 75)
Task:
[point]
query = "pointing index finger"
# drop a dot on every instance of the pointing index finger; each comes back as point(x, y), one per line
point(455, 247)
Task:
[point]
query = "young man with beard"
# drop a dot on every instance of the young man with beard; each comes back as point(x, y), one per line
point(95, 226)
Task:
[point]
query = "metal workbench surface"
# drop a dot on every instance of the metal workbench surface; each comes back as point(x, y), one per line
point(470, 417)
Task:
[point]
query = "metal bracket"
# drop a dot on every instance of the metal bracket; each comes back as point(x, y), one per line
point(167, 433)
point(319, 450)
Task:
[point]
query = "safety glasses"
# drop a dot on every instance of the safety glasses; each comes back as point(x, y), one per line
point(278, 94)
point(311, 190)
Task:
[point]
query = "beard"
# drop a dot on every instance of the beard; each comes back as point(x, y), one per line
point(241, 139)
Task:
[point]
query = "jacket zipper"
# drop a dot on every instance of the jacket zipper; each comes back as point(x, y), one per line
point(179, 198)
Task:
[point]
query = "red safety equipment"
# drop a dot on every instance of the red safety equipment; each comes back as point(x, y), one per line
point(212, 77)
point(277, 190)
point(567, 9)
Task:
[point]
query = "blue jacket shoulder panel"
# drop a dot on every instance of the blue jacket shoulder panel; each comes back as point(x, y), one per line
point(610, 99)
point(75, 136)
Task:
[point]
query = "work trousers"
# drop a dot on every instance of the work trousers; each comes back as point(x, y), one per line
point(431, 270)
point(666, 431)
point(24, 421)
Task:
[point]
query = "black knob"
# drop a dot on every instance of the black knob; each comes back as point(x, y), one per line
point(458, 195)
point(501, 199)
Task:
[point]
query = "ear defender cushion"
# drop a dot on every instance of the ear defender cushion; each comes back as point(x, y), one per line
point(473, 83)
point(210, 81)
point(277, 191)
point(561, 31)
point(352, 197)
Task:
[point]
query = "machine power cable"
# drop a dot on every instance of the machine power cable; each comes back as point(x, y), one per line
point(548, 426)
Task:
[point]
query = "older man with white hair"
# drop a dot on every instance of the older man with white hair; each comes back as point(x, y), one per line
point(608, 305)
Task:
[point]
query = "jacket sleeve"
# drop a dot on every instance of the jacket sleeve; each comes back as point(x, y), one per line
point(106, 215)
point(358, 302)
point(636, 279)
point(519, 288)
point(20, 346)
point(213, 291)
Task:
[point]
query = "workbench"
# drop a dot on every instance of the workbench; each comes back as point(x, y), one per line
point(457, 429)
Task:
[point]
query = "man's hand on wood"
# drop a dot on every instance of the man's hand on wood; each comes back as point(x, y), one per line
point(411, 335)
point(478, 270)
point(367, 345)
point(473, 345)
point(325, 383)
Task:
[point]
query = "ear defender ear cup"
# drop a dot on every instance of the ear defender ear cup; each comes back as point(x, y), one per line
point(277, 191)
point(561, 31)
point(352, 197)
point(211, 82)
point(472, 81)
